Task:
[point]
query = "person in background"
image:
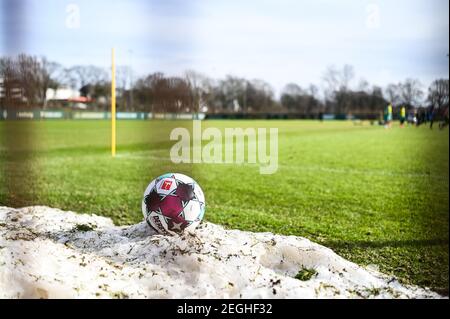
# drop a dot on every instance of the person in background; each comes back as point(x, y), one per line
point(402, 116)
point(388, 116)
point(432, 115)
point(421, 117)
point(424, 116)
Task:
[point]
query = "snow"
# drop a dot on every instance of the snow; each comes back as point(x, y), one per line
point(50, 253)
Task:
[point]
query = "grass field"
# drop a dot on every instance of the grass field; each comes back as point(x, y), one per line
point(375, 196)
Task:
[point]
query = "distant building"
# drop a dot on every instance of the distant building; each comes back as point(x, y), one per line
point(11, 93)
point(61, 94)
point(67, 95)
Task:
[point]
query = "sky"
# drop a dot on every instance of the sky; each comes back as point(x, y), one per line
point(278, 41)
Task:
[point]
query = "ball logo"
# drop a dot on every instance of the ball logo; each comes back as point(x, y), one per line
point(166, 185)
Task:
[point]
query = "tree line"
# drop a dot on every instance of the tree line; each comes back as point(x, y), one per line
point(25, 80)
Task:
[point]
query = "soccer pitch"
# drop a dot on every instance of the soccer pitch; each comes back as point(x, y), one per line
point(375, 196)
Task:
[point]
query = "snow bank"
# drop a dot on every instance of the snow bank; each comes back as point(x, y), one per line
point(49, 253)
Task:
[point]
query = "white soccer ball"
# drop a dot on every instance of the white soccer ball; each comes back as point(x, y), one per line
point(173, 203)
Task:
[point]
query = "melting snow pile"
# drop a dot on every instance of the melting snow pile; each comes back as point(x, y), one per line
point(49, 253)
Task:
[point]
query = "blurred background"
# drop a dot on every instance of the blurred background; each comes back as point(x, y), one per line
point(293, 59)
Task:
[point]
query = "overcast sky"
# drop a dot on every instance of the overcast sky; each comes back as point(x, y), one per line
point(278, 41)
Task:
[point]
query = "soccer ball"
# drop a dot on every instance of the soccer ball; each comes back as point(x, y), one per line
point(173, 203)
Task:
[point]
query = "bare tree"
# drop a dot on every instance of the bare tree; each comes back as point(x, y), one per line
point(331, 79)
point(337, 81)
point(83, 75)
point(198, 87)
point(51, 73)
point(122, 76)
point(12, 91)
point(346, 76)
point(29, 73)
point(313, 90)
point(259, 95)
point(27, 78)
point(293, 89)
point(158, 93)
point(233, 90)
point(438, 93)
point(305, 102)
point(411, 92)
point(122, 81)
point(393, 92)
point(363, 85)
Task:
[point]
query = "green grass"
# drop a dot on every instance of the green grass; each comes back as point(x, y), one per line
point(305, 274)
point(375, 196)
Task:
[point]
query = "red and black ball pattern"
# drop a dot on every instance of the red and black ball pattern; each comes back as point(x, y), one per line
point(171, 206)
